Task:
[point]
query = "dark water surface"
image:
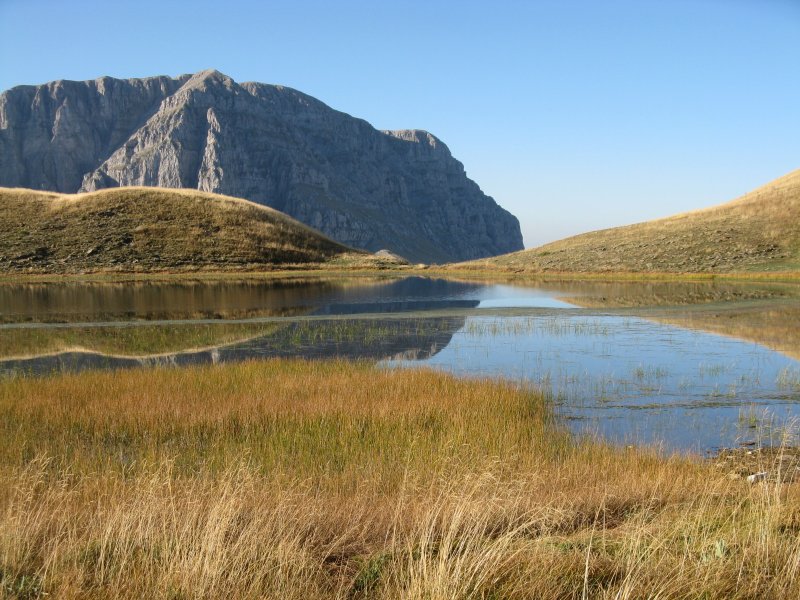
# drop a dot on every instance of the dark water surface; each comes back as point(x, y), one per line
point(691, 366)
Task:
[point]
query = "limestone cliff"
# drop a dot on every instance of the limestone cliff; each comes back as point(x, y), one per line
point(370, 189)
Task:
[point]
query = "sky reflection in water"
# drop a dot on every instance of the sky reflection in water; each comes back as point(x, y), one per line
point(632, 380)
point(624, 377)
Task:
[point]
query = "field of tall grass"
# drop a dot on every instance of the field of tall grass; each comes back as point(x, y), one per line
point(295, 479)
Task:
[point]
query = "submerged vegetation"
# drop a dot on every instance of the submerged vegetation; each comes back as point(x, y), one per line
point(536, 325)
point(298, 479)
point(133, 340)
point(360, 338)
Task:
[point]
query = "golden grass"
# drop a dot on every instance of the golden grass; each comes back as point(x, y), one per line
point(293, 479)
point(759, 232)
point(147, 229)
point(486, 271)
point(307, 272)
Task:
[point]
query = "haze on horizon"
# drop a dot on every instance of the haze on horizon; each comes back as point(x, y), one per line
point(573, 115)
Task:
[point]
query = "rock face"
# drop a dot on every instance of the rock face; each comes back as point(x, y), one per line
point(370, 189)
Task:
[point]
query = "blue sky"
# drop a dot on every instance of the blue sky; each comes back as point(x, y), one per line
point(574, 115)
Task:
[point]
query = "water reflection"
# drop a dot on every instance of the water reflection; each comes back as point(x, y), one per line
point(690, 365)
point(71, 302)
point(409, 339)
point(633, 380)
point(75, 302)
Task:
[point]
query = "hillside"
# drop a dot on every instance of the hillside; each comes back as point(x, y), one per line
point(143, 229)
point(758, 232)
point(397, 190)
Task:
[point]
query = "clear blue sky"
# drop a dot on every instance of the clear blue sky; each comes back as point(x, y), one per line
point(574, 115)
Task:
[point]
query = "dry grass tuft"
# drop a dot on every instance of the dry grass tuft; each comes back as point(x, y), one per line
point(293, 479)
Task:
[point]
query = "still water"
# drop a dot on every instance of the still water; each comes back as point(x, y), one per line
point(685, 366)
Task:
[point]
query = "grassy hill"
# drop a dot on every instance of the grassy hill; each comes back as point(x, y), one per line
point(146, 229)
point(758, 232)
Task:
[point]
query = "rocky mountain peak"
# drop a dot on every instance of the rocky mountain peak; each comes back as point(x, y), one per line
point(401, 190)
point(210, 78)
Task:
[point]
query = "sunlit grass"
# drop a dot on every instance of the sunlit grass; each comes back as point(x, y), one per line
point(309, 419)
point(292, 479)
point(150, 229)
point(755, 233)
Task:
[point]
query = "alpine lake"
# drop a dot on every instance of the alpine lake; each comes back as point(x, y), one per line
point(685, 366)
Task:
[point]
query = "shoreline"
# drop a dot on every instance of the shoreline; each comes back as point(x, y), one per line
point(429, 271)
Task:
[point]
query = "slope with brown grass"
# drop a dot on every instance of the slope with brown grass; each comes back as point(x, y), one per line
point(758, 232)
point(151, 229)
point(292, 479)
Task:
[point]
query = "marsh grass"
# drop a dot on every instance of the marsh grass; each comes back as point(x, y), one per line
point(789, 379)
point(293, 479)
point(555, 326)
point(304, 333)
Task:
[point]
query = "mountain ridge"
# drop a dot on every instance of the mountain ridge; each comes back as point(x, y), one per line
point(401, 190)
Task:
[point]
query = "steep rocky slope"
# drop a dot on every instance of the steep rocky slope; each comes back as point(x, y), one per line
point(399, 190)
point(146, 229)
point(758, 232)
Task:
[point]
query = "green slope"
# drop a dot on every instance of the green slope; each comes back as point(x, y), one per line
point(147, 229)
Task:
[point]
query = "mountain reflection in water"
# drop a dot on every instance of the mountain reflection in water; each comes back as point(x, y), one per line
point(75, 303)
point(409, 339)
point(690, 365)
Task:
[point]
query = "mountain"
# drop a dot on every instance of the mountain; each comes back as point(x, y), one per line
point(146, 229)
point(396, 190)
point(758, 232)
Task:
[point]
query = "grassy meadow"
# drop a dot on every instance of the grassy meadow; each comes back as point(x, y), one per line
point(137, 229)
point(757, 233)
point(296, 479)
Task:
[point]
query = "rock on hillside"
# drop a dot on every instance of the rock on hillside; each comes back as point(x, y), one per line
point(369, 189)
